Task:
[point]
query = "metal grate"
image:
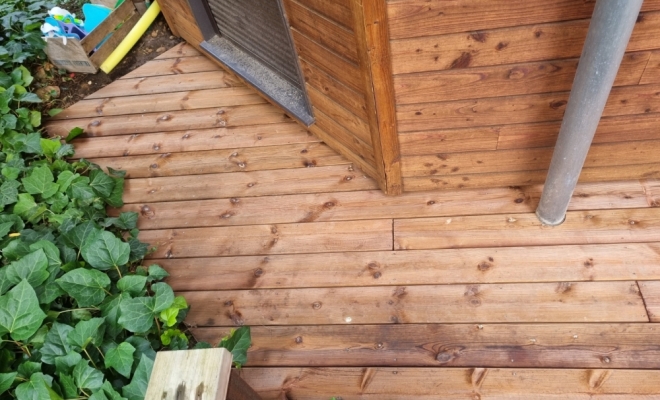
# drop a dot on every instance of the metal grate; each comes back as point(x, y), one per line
point(258, 27)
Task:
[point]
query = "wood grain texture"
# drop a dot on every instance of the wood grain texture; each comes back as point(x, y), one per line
point(357, 146)
point(580, 227)
point(193, 140)
point(337, 178)
point(465, 139)
point(307, 155)
point(338, 11)
point(651, 294)
point(182, 49)
point(519, 44)
point(487, 303)
point(172, 66)
point(505, 80)
point(652, 71)
point(463, 345)
point(349, 121)
point(315, 237)
point(345, 206)
point(572, 263)
point(410, 18)
point(451, 383)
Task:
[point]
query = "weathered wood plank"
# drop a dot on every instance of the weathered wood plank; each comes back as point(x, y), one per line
point(544, 134)
point(307, 155)
point(337, 91)
point(502, 179)
point(436, 17)
point(182, 49)
point(352, 205)
point(532, 108)
point(652, 71)
point(344, 71)
point(600, 155)
point(651, 295)
point(580, 227)
point(456, 140)
point(193, 140)
point(507, 80)
point(355, 144)
point(166, 84)
point(322, 30)
point(172, 66)
point(355, 125)
point(487, 303)
point(339, 178)
point(451, 383)
point(427, 345)
point(509, 46)
point(317, 237)
point(205, 118)
point(338, 11)
point(140, 104)
point(637, 261)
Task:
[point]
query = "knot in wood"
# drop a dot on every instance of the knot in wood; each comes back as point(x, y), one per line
point(430, 203)
point(156, 147)
point(234, 154)
point(444, 357)
point(165, 117)
point(377, 274)
point(328, 204)
point(299, 339)
point(348, 178)
point(250, 184)
point(605, 359)
point(258, 272)
point(317, 305)
point(96, 122)
point(153, 166)
point(241, 165)
point(303, 151)
point(186, 136)
point(484, 266)
point(146, 211)
point(379, 345)
point(234, 200)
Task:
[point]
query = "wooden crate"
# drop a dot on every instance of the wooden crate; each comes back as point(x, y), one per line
point(79, 55)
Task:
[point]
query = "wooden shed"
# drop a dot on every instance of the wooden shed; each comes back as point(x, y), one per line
point(428, 94)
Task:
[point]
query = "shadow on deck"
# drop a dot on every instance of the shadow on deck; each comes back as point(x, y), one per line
point(354, 294)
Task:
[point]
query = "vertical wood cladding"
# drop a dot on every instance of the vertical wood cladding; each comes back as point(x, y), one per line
point(481, 87)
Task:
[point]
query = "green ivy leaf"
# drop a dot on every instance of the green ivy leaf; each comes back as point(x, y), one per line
point(238, 343)
point(74, 133)
point(20, 315)
point(157, 273)
point(126, 220)
point(87, 286)
point(50, 147)
point(87, 377)
point(100, 395)
point(83, 234)
point(121, 359)
point(137, 389)
point(5, 228)
point(106, 252)
point(87, 332)
point(163, 296)
point(116, 197)
point(9, 192)
point(55, 343)
point(80, 189)
point(142, 348)
point(110, 392)
point(133, 284)
point(64, 180)
point(36, 388)
point(168, 316)
point(54, 111)
point(202, 345)
point(110, 311)
point(41, 181)
point(25, 206)
point(6, 380)
point(64, 364)
point(137, 315)
point(68, 385)
point(27, 368)
point(101, 183)
point(32, 267)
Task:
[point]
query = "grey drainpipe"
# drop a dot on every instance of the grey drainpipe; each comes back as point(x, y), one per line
point(611, 25)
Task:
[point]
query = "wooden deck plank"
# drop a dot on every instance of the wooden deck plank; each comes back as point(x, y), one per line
point(436, 17)
point(338, 178)
point(173, 66)
point(527, 43)
point(532, 108)
point(652, 72)
point(204, 118)
point(574, 263)
point(463, 345)
point(193, 140)
point(270, 239)
point(166, 84)
point(506, 80)
point(484, 303)
point(651, 294)
point(580, 227)
point(451, 383)
point(307, 155)
point(172, 101)
point(182, 49)
point(352, 205)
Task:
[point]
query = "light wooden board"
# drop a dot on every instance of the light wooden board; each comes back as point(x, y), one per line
point(349, 121)
point(204, 118)
point(409, 18)
point(625, 100)
point(173, 66)
point(580, 227)
point(519, 44)
point(270, 239)
point(338, 10)
point(202, 373)
point(357, 146)
point(651, 295)
point(575, 263)
point(457, 140)
point(182, 49)
point(464, 345)
point(487, 303)
point(166, 84)
point(193, 140)
point(339, 178)
point(140, 104)
point(306, 155)
point(451, 383)
point(652, 72)
point(506, 80)
point(343, 206)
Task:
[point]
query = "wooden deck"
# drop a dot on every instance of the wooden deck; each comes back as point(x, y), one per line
point(457, 294)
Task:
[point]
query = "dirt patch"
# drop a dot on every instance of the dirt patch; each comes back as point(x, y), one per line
point(76, 86)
